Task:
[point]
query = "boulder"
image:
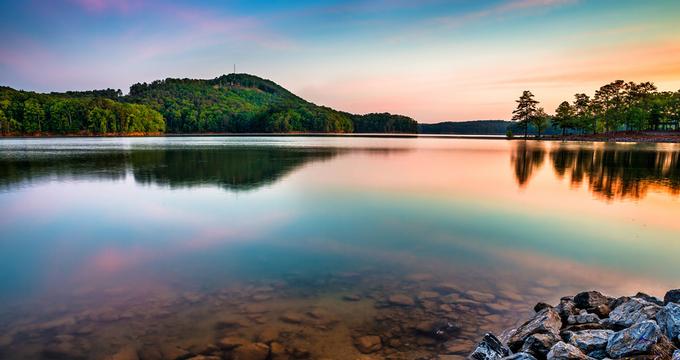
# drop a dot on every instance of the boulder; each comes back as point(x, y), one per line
point(566, 308)
point(676, 355)
point(540, 306)
point(635, 340)
point(368, 344)
point(649, 298)
point(672, 296)
point(668, 319)
point(539, 345)
point(252, 351)
point(490, 348)
point(591, 342)
point(401, 300)
point(545, 321)
point(583, 318)
point(590, 300)
point(632, 311)
point(520, 356)
point(564, 351)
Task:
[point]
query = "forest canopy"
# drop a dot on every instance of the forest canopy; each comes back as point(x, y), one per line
point(235, 103)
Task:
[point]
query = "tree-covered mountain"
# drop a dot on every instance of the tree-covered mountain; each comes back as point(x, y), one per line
point(234, 103)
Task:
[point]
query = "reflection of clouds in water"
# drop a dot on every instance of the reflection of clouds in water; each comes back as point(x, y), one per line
point(111, 260)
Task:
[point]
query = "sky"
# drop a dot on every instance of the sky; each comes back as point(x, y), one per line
point(433, 60)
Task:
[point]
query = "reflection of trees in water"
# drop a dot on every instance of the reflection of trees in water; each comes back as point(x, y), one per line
point(229, 168)
point(527, 157)
point(619, 172)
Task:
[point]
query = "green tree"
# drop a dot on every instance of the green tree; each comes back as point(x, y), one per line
point(540, 120)
point(525, 111)
point(34, 116)
point(564, 117)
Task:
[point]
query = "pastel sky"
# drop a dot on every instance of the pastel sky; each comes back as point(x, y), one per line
point(434, 60)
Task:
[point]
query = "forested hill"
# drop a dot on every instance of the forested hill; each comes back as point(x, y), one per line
point(234, 103)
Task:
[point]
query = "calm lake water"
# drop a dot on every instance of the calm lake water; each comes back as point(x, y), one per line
point(167, 245)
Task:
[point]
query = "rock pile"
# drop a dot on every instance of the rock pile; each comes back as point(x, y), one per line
point(591, 325)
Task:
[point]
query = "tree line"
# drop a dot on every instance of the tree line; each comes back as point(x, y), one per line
point(91, 112)
point(617, 106)
point(235, 103)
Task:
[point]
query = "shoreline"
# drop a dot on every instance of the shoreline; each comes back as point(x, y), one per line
point(616, 137)
point(591, 325)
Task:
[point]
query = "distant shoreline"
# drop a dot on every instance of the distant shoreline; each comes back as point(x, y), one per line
point(628, 137)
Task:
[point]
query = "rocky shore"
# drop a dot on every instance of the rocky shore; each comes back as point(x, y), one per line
point(591, 325)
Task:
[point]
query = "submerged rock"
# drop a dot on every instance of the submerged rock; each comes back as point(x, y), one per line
point(564, 351)
point(591, 342)
point(539, 345)
point(438, 329)
point(401, 300)
point(637, 339)
point(252, 351)
point(672, 296)
point(490, 348)
point(668, 319)
point(630, 312)
point(126, 353)
point(368, 344)
point(545, 321)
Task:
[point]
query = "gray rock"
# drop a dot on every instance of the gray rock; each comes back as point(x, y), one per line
point(637, 339)
point(583, 318)
point(676, 355)
point(566, 308)
point(539, 345)
point(668, 319)
point(649, 298)
point(490, 348)
point(590, 300)
point(631, 312)
point(672, 296)
point(540, 306)
point(591, 342)
point(564, 351)
point(520, 356)
point(545, 321)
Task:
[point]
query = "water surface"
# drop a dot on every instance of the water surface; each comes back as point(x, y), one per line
point(158, 242)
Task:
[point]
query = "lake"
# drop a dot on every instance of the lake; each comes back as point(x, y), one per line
point(170, 245)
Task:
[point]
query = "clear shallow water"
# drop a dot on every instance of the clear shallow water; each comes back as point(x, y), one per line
point(158, 242)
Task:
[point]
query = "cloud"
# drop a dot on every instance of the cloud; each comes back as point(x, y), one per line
point(501, 9)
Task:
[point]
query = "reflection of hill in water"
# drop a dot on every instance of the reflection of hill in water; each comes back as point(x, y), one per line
point(229, 168)
point(611, 171)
